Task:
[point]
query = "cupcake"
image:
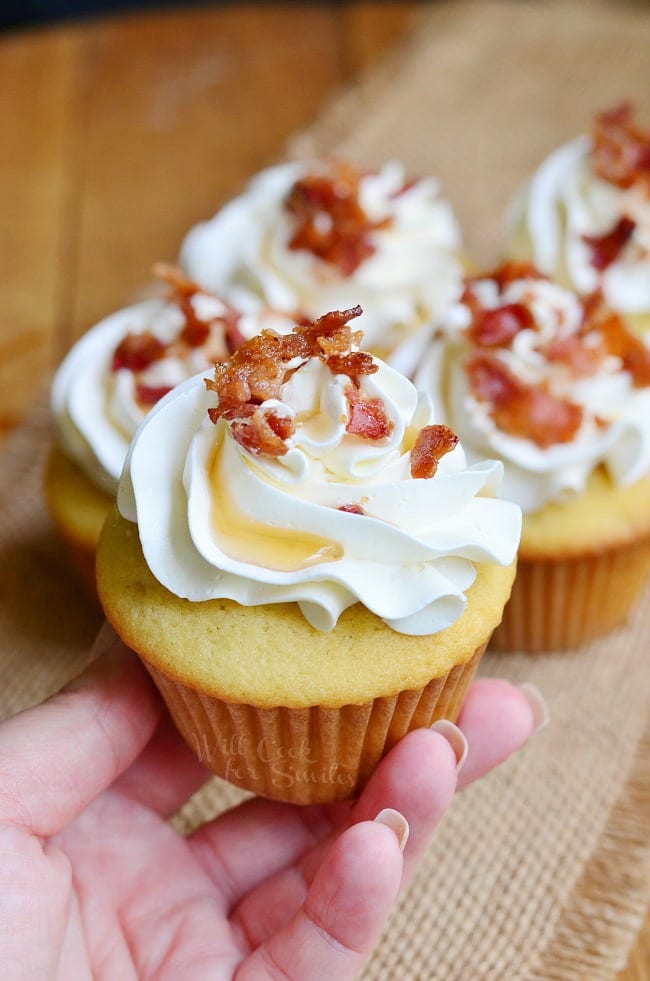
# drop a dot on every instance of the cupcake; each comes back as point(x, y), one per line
point(304, 561)
point(110, 380)
point(557, 388)
point(585, 216)
point(323, 235)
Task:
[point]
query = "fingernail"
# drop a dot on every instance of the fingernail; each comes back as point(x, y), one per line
point(105, 639)
point(538, 706)
point(397, 823)
point(455, 738)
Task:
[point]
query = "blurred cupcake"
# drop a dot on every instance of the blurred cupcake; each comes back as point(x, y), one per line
point(304, 562)
point(557, 388)
point(323, 235)
point(585, 216)
point(110, 380)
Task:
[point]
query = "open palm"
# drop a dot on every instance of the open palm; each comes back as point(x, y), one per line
point(94, 883)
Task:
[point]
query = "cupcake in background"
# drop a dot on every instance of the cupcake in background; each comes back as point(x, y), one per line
point(584, 218)
point(305, 562)
point(324, 235)
point(108, 382)
point(558, 388)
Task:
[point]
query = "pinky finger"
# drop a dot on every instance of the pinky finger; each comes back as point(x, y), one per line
point(345, 910)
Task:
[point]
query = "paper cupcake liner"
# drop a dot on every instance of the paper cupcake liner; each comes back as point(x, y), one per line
point(312, 755)
point(563, 604)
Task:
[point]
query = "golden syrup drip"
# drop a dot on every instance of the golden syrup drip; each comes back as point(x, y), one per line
point(246, 540)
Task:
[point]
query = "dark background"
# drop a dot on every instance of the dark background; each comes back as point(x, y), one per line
point(16, 12)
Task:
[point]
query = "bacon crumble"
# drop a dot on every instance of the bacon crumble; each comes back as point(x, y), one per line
point(606, 249)
point(431, 444)
point(582, 360)
point(351, 509)
point(367, 416)
point(512, 270)
point(531, 411)
point(621, 148)
point(258, 369)
point(150, 394)
point(496, 327)
point(621, 343)
point(330, 221)
point(138, 351)
point(522, 410)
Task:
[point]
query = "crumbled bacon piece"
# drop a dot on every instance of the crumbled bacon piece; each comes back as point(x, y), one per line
point(354, 364)
point(509, 272)
point(605, 249)
point(196, 332)
point(367, 416)
point(150, 394)
point(498, 326)
point(135, 352)
point(263, 433)
point(621, 343)
point(258, 369)
point(582, 359)
point(431, 444)
point(339, 342)
point(495, 327)
point(592, 305)
point(351, 509)
point(621, 148)
point(522, 410)
point(330, 222)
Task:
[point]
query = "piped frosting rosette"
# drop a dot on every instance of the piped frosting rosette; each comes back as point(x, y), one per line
point(586, 212)
point(308, 471)
point(318, 236)
point(551, 384)
point(123, 365)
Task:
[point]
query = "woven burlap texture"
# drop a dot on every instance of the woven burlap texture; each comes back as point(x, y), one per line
point(542, 870)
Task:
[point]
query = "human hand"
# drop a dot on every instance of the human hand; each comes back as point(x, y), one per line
point(95, 884)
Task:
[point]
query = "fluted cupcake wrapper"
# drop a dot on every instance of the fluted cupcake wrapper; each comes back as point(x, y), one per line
point(311, 755)
point(563, 604)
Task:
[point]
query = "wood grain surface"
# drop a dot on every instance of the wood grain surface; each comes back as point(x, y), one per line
point(119, 133)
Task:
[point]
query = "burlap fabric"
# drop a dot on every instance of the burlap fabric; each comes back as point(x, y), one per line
point(541, 871)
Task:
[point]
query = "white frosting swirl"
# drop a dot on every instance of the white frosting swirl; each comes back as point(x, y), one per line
point(216, 521)
point(413, 273)
point(96, 410)
point(565, 201)
point(615, 428)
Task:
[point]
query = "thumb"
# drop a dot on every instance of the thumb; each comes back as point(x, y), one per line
point(345, 909)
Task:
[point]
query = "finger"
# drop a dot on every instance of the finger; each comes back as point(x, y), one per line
point(417, 778)
point(274, 836)
point(166, 774)
point(251, 844)
point(254, 841)
point(497, 719)
point(347, 905)
point(59, 756)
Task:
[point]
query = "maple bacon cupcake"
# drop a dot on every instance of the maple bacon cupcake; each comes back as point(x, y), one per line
point(584, 218)
point(305, 562)
point(556, 387)
point(109, 381)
